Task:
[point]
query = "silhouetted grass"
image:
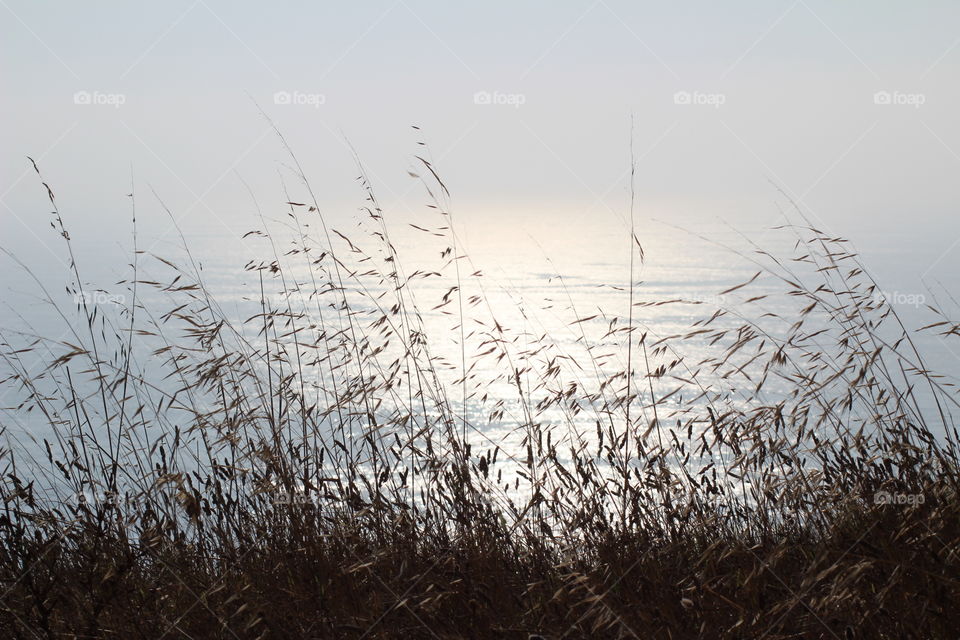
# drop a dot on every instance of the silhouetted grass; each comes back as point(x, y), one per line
point(315, 470)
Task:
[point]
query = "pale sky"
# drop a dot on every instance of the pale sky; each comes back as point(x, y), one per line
point(849, 107)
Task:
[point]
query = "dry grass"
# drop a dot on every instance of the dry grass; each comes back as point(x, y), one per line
point(316, 471)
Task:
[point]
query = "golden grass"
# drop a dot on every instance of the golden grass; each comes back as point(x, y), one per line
point(315, 471)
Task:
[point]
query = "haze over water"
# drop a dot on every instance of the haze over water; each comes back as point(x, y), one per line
point(538, 279)
point(530, 116)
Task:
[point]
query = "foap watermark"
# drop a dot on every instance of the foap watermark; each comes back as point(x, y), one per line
point(886, 497)
point(714, 300)
point(299, 98)
point(915, 100)
point(715, 100)
point(899, 298)
point(94, 499)
point(515, 100)
point(295, 498)
point(100, 98)
point(98, 297)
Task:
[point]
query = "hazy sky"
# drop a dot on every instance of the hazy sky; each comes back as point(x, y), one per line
point(526, 107)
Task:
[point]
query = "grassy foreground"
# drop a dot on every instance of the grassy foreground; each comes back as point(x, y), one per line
point(316, 470)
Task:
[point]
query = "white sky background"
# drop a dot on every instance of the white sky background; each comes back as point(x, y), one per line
point(797, 81)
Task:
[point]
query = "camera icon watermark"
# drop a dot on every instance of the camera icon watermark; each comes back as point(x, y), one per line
point(515, 100)
point(915, 100)
point(299, 98)
point(715, 100)
point(99, 98)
